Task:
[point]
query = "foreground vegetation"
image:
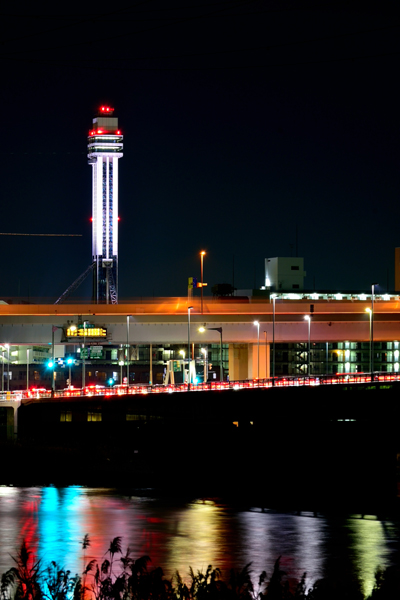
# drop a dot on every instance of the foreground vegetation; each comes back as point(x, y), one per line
point(120, 577)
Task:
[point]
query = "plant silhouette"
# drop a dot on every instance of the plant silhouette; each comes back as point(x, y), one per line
point(120, 577)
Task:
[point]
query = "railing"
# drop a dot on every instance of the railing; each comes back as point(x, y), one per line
point(137, 389)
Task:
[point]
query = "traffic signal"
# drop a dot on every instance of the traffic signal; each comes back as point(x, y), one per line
point(50, 364)
point(111, 382)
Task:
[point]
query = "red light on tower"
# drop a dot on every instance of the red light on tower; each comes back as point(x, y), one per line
point(106, 109)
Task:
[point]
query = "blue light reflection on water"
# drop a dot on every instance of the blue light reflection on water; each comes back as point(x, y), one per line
point(60, 521)
point(54, 521)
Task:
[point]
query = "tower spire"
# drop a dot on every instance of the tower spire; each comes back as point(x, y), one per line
point(105, 144)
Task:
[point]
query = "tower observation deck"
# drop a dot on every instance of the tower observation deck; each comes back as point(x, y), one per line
point(104, 149)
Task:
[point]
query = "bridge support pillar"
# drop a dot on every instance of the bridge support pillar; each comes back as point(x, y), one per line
point(238, 361)
point(9, 420)
point(259, 360)
point(243, 361)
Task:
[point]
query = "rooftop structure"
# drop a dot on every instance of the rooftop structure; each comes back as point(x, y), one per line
point(283, 273)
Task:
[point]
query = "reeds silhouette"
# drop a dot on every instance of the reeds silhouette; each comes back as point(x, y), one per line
point(120, 577)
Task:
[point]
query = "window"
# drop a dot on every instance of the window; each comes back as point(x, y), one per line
point(94, 416)
point(295, 268)
point(65, 416)
point(295, 286)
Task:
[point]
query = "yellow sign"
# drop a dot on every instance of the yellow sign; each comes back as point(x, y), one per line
point(84, 332)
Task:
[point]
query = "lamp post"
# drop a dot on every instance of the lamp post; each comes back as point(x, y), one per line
point(219, 329)
point(204, 352)
point(69, 363)
point(2, 370)
point(372, 329)
point(308, 318)
point(127, 349)
point(369, 311)
point(27, 369)
point(266, 355)
point(83, 357)
point(53, 383)
point(189, 374)
point(257, 323)
point(202, 254)
point(8, 367)
point(273, 339)
point(182, 353)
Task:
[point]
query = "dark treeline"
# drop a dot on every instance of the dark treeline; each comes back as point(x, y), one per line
point(120, 577)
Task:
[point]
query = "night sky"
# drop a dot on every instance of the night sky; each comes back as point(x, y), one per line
point(252, 129)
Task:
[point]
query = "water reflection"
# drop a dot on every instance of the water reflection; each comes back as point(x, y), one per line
point(54, 521)
point(369, 548)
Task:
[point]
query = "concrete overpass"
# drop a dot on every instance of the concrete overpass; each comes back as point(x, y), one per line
point(165, 320)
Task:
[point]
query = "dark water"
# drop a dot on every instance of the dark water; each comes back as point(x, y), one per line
point(54, 520)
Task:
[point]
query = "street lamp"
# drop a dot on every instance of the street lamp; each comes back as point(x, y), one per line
point(273, 339)
point(8, 367)
point(202, 254)
point(27, 369)
point(372, 329)
point(204, 352)
point(2, 370)
point(127, 349)
point(189, 374)
point(257, 323)
point(182, 353)
point(308, 318)
point(69, 362)
point(369, 311)
point(219, 329)
point(53, 330)
point(83, 356)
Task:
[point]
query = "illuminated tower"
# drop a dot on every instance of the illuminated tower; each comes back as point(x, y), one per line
point(104, 149)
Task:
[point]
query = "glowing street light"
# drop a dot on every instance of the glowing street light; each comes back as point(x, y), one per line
point(372, 329)
point(202, 254)
point(308, 318)
point(52, 363)
point(219, 329)
point(369, 311)
point(257, 323)
point(273, 296)
point(127, 349)
point(70, 361)
point(189, 374)
point(204, 352)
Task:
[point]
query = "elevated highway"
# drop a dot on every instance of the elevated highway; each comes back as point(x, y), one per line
point(165, 320)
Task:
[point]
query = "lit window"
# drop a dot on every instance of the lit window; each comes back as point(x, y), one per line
point(94, 416)
point(66, 417)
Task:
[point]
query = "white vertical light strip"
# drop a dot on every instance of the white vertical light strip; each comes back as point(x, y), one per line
point(99, 202)
point(108, 207)
point(115, 207)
